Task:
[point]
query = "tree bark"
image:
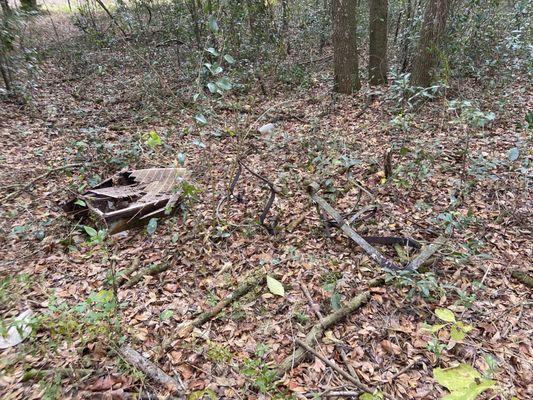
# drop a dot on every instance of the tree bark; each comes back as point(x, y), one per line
point(377, 59)
point(427, 51)
point(28, 5)
point(6, 10)
point(345, 60)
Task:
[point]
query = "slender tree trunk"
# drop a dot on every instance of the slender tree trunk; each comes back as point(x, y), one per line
point(377, 61)
point(6, 10)
point(345, 60)
point(427, 51)
point(406, 25)
point(4, 73)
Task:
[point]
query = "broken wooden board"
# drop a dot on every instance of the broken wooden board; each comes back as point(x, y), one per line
point(130, 198)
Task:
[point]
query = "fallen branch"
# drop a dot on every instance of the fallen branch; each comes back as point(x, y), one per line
point(151, 370)
point(375, 255)
point(523, 277)
point(125, 274)
point(317, 331)
point(425, 254)
point(186, 328)
point(334, 366)
point(152, 270)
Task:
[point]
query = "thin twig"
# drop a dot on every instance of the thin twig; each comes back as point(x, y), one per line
point(334, 366)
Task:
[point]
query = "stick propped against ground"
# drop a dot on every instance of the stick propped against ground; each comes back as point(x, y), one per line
point(375, 255)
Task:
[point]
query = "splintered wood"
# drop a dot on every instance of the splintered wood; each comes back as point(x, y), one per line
point(130, 198)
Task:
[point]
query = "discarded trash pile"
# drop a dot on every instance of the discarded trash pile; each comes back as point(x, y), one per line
point(130, 198)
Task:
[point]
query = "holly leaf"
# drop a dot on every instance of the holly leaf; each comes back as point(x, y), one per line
point(152, 226)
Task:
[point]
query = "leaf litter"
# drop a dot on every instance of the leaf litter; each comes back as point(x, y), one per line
point(49, 267)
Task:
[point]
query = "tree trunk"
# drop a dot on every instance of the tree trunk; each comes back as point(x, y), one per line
point(377, 61)
point(28, 5)
point(6, 10)
point(345, 60)
point(427, 51)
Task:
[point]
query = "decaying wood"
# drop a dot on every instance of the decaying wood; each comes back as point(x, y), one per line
point(425, 254)
point(125, 274)
point(130, 198)
point(356, 382)
point(375, 255)
point(523, 277)
point(151, 370)
point(185, 328)
point(152, 270)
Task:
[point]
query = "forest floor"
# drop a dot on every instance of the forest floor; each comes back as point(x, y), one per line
point(94, 106)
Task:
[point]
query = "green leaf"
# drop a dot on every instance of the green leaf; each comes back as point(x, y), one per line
point(90, 231)
point(213, 24)
point(80, 203)
point(153, 140)
point(166, 315)
point(275, 286)
point(335, 301)
point(181, 159)
point(212, 51)
point(434, 328)
point(369, 396)
point(229, 59)
point(513, 154)
point(457, 334)
point(464, 382)
point(200, 394)
point(152, 226)
point(217, 70)
point(212, 87)
point(445, 314)
point(200, 119)
point(224, 84)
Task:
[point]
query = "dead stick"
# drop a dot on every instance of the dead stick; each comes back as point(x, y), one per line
point(185, 328)
point(346, 393)
point(153, 270)
point(317, 331)
point(334, 366)
point(347, 362)
point(375, 255)
point(425, 254)
point(149, 368)
point(405, 369)
point(313, 305)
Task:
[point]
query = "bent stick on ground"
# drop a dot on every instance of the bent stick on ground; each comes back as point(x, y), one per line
point(375, 255)
point(185, 328)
